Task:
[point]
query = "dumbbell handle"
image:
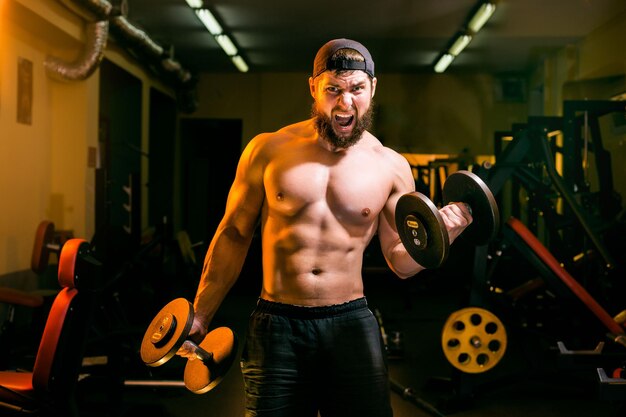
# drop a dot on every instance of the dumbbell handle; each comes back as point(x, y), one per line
point(200, 353)
point(469, 208)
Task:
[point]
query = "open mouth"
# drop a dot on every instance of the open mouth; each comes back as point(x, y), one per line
point(344, 121)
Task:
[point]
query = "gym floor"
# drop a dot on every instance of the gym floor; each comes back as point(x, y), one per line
point(528, 380)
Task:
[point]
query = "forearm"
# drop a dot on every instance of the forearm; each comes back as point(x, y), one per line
point(401, 263)
point(222, 266)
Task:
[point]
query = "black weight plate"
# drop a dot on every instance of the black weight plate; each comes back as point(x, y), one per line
point(421, 230)
point(156, 347)
point(467, 187)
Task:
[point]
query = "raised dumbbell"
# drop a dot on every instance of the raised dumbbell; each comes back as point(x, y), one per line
point(47, 241)
point(421, 227)
point(169, 330)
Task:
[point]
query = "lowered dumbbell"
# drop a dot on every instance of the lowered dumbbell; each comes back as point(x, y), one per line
point(169, 330)
point(421, 227)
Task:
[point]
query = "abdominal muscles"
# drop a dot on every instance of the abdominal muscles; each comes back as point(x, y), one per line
point(312, 263)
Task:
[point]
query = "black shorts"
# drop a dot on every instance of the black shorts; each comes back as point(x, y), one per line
point(300, 360)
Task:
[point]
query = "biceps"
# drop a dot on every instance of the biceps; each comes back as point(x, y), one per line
point(387, 233)
point(243, 208)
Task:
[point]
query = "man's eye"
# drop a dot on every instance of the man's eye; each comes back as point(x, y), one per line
point(332, 89)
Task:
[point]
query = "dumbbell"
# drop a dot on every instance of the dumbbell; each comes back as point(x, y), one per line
point(421, 227)
point(169, 330)
point(47, 241)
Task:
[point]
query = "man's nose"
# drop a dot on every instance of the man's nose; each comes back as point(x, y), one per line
point(345, 100)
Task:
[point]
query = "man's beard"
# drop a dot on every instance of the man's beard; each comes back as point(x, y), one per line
point(324, 126)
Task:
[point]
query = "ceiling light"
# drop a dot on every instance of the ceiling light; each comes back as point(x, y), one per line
point(443, 62)
point(209, 21)
point(227, 45)
point(482, 15)
point(459, 44)
point(475, 20)
point(239, 63)
point(214, 27)
point(194, 4)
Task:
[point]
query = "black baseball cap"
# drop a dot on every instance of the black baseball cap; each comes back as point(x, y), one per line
point(324, 62)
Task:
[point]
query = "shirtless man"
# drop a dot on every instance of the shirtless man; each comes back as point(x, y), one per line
point(322, 188)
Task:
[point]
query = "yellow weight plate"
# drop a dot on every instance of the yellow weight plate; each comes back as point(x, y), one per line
point(473, 340)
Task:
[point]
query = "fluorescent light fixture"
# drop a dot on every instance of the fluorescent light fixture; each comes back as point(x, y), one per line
point(482, 15)
point(223, 40)
point(443, 62)
point(209, 21)
point(459, 44)
point(227, 45)
point(239, 63)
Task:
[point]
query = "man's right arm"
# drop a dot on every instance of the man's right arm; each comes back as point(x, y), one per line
point(228, 248)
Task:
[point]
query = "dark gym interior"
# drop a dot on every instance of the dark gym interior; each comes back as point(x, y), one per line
point(121, 146)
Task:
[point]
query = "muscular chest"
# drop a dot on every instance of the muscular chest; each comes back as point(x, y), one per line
point(351, 190)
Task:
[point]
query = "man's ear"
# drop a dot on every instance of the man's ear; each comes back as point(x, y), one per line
point(312, 86)
point(374, 82)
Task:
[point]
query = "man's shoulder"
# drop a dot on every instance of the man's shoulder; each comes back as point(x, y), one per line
point(377, 146)
point(387, 154)
point(273, 140)
point(298, 129)
point(302, 128)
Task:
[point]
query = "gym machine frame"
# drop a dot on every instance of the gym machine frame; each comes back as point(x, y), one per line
point(531, 155)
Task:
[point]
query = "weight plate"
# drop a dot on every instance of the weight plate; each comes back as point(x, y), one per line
point(167, 332)
point(203, 376)
point(421, 230)
point(467, 187)
point(474, 340)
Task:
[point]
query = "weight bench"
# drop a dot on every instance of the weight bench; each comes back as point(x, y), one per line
point(48, 240)
point(13, 300)
point(48, 389)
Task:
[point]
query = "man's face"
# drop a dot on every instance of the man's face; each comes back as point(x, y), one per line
point(343, 105)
